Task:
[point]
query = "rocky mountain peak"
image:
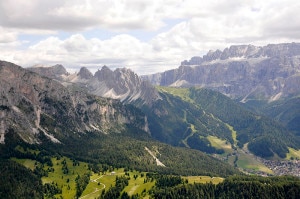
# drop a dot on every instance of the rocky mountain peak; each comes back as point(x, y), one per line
point(122, 84)
point(84, 73)
point(59, 69)
point(104, 73)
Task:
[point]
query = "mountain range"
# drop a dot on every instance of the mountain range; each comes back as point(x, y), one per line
point(41, 114)
point(246, 96)
point(243, 72)
point(122, 84)
point(181, 120)
point(217, 115)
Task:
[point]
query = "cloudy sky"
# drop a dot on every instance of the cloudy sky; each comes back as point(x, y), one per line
point(145, 35)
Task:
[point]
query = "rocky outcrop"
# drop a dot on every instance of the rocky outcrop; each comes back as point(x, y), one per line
point(242, 72)
point(53, 72)
point(122, 84)
point(36, 106)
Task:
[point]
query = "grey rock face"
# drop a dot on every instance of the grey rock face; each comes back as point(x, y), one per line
point(84, 73)
point(122, 84)
point(241, 72)
point(53, 72)
point(32, 105)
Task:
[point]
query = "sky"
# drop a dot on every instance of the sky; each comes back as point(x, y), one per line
point(147, 36)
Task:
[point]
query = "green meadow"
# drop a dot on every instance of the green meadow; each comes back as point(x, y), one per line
point(138, 182)
point(65, 181)
point(293, 154)
point(220, 144)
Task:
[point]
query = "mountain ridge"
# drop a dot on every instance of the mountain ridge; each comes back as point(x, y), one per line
point(243, 72)
point(122, 84)
point(32, 104)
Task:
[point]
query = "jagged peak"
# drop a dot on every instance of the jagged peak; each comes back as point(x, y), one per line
point(105, 68)
point(59, 69)
point(84, 73)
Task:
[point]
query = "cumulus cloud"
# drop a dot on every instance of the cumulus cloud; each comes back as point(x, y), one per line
point(77, 15)
point(202, 25)
point(7, 36)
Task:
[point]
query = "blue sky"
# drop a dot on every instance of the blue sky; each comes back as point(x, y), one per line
point(146, 36)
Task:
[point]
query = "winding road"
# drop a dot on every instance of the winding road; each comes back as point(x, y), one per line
point(96, 190)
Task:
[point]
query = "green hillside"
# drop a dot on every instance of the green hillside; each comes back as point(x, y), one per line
point(285, 111)
point(187, 116)
point(120, 151)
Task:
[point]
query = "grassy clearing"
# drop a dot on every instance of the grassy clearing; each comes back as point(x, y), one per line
point(138, 185)
point(65, 181)
point(247, 161)
point(220, 144)
point(26, 150)
point(203, 179)
point(98, 182)
point(30, 164)
point(94, 188)
point(183, 93)
point(293, 154)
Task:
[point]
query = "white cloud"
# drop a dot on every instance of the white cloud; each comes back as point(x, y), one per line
point(7, 36)
point(78, 15)
point(204, 25)
point(76, 51)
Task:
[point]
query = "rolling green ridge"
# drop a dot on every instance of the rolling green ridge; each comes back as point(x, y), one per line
point(210, 113)
point(173, 120)
point(121, 150)
point(285, 111)
point(235, 188)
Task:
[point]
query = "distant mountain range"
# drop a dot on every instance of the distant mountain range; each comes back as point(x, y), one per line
point(243, 72)
point(264, 79)
point(122, 84)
